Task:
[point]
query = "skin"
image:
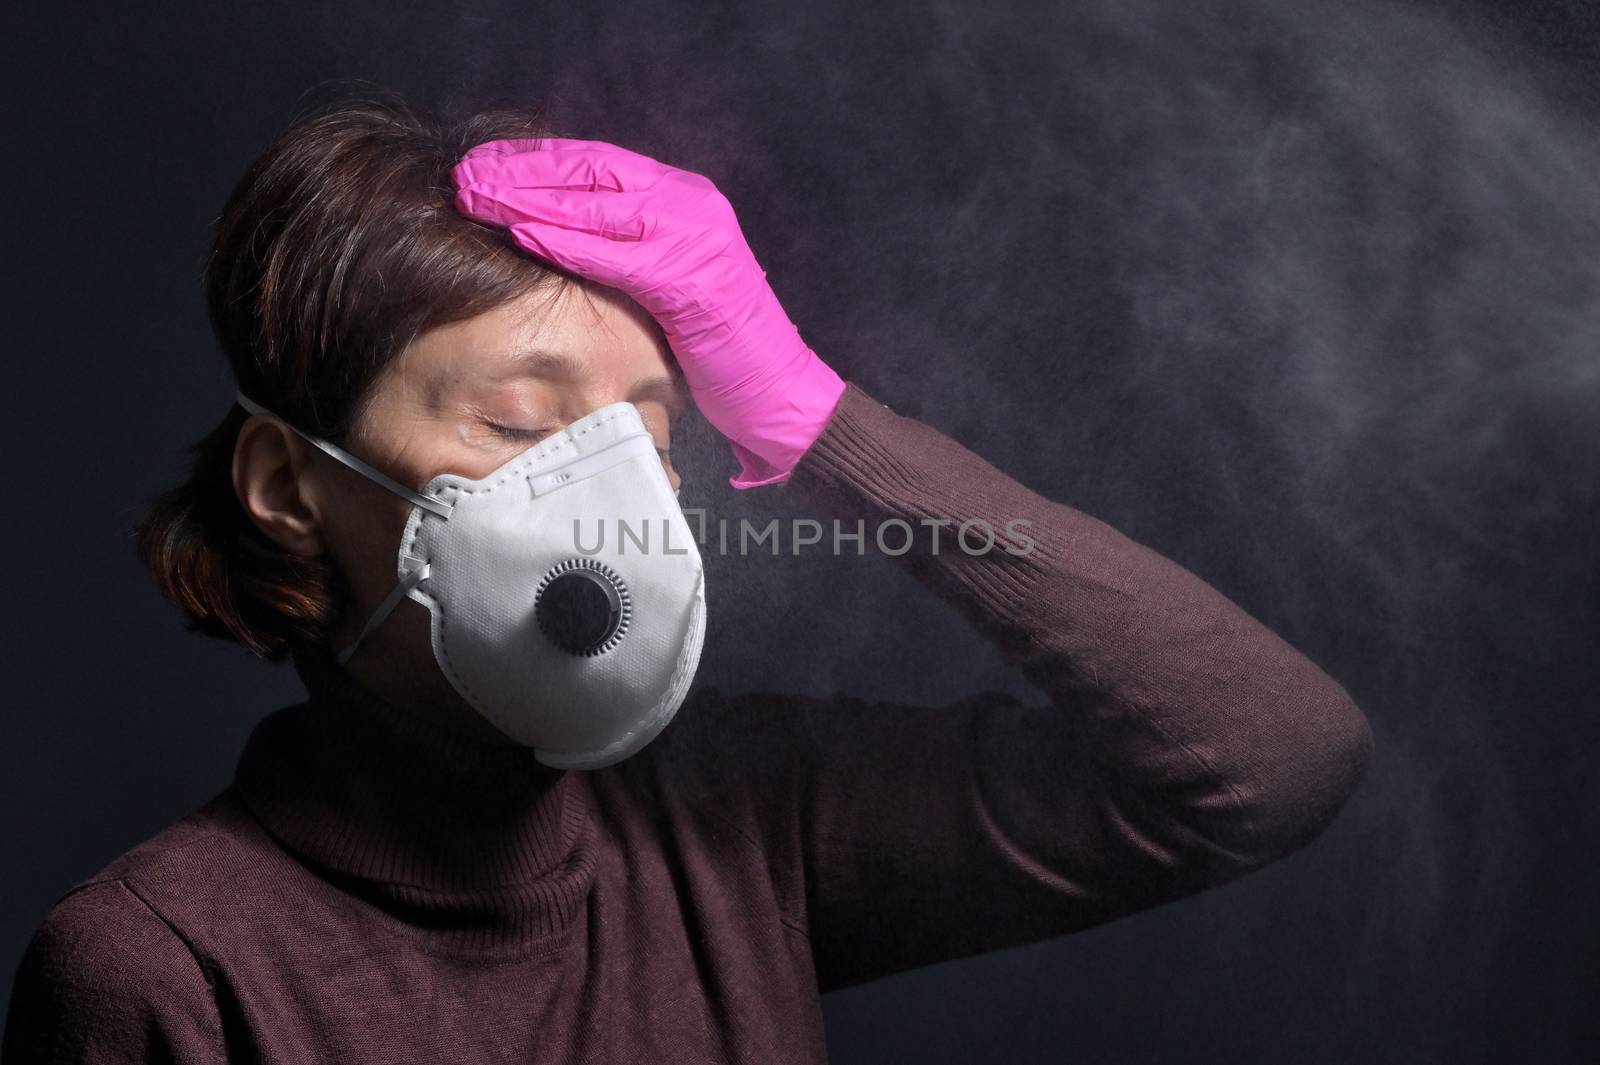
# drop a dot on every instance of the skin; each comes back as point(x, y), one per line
point(457, 400)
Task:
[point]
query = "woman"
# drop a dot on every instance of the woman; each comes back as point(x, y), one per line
point(433, 858)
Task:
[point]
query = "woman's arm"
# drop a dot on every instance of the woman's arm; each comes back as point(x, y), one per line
point(1183, 743)
point(105, 979)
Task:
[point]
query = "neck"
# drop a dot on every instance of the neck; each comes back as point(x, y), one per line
point(384, 791)
point(395, 664)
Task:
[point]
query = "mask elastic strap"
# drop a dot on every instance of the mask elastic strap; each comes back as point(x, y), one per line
point(433, 506)
point(409, 581)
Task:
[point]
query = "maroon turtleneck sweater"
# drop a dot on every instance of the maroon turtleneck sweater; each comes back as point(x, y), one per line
point(377, 887)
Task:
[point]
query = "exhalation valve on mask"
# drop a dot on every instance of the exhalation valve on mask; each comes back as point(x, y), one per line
point(582, 606)
point(566, 589)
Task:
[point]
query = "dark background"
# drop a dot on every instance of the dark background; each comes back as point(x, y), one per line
point(1303, 296)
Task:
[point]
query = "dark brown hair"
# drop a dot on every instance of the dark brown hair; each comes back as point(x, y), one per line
point(338, 247)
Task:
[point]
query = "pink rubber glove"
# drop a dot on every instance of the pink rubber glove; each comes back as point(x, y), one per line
point(668, 239)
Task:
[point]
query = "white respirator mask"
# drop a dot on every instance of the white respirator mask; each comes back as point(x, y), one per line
point(566, 589)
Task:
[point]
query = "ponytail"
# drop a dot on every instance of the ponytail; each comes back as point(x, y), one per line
point(229, 580)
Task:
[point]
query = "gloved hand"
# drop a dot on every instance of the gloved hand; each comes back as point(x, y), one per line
point(670, 240)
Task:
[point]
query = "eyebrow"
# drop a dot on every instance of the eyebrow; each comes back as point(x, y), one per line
point(668, 390)
point(543, 361)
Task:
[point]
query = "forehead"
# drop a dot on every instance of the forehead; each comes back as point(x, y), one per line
point(564, 333)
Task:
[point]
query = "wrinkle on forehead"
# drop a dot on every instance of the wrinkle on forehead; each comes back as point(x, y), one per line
point(488, 347)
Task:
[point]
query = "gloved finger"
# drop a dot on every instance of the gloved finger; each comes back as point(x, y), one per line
point(579, 168)
point(596, 258)
point(626, 216)
point(606, 147)
point(488, 150)
point(489, 205)
point(643, 170)
point(512, 145)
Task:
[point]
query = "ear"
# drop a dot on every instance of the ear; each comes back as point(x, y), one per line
point(272, 475)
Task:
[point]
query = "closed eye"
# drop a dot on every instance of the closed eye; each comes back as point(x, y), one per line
point(511, 432)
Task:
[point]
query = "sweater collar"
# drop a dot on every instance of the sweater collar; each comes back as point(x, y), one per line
point(411, 809)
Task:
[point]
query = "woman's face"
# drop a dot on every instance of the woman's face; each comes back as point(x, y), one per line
point(465, 398)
